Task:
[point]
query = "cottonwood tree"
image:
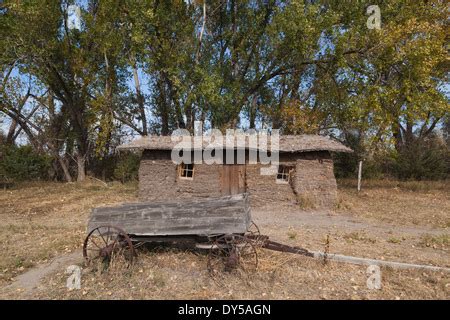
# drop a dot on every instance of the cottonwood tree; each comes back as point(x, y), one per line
point(77, 66)
point(394, 88)
point(304, 66)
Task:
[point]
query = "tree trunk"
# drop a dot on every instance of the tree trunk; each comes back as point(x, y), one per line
point(81, 165)
point(163, 104)
point(253, 111)
point(397, 134)
point(234, 53)
point(65, 169)
point(140, 98)
point(77, 109)
point(409, 134)
point(11, 133)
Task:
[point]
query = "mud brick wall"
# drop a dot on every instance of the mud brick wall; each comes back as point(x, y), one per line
point(158, 179)
point(265, 189)
point(206, 182)
point(314, 180)
point(157, 176)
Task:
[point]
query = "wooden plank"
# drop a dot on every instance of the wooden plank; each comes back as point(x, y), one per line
point(230, 214)
point(232, 179)
point(205, 221)
point(186, 222)
point(238, 197)
point(157, 208)
point(162, 212)
point(225, 186)
point(242, 179)
point(144, 229)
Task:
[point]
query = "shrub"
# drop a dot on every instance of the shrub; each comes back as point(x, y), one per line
point(23, 163)
point(127, 167)
point(427, 159)
point(420, 159)
point(346, 166)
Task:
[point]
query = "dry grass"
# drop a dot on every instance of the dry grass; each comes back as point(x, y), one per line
point(181, 275)
point(392, 184)
point(423, 203)
point(42, 220)
point(306, 202)
point(356, 236)
point(441, 241)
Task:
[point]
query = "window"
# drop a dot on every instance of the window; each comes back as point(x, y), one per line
point(186, 171)
point(284, 172)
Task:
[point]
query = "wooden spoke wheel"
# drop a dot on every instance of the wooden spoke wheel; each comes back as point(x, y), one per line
point(254, 235)
point(230, 253)
point(105, 243)
point(253, 231)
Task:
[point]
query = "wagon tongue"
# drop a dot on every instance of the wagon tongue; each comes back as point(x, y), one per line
point(265, 242)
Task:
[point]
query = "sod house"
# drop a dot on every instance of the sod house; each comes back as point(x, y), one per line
point(304, 174)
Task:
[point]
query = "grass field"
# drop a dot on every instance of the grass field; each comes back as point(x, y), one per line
point(422, 203)
point(42, 220)
point(387, 220)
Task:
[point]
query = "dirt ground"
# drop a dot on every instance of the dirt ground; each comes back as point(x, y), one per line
point(42, 226)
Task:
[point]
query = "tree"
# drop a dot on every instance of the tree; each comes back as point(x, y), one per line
point(395, 85)
point(79, 68)
point(304, 66)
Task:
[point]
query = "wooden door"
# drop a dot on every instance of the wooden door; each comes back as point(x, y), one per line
point(232, 179)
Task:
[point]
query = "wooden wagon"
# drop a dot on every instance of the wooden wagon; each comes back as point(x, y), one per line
point(221, 225)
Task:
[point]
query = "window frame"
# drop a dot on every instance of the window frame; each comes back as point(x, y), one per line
point(182, 168)
point(284, 171)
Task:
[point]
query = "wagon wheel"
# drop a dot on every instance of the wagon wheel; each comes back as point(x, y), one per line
point(105, 243)
point(230, 253)
point(254, 235)
point(253, 231)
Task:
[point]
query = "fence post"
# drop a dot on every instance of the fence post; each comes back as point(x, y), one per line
point(359, 175)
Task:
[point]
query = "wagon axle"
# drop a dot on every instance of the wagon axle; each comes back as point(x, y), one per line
point(106, 251)
point(231, 253)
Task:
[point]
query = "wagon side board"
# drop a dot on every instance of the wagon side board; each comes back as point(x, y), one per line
point(211, 216)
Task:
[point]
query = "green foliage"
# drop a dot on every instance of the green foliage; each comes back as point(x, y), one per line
point(22, 163)
point(346, 166)
point(127, 167)
point(424, 160)
point(300, 66)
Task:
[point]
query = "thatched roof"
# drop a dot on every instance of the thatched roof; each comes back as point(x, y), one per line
point(288, 143)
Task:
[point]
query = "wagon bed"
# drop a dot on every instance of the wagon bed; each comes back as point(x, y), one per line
point(191, 217)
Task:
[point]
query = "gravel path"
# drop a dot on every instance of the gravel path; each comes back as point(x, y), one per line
point(29, 281)
point(289, 216)
point(353, 236)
